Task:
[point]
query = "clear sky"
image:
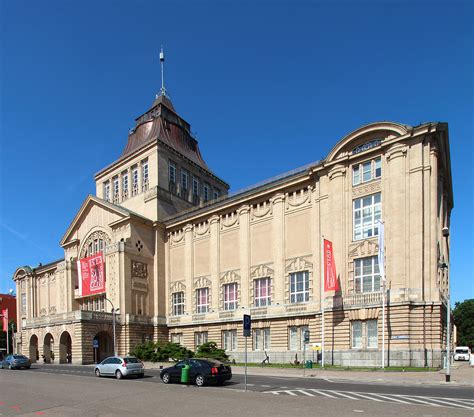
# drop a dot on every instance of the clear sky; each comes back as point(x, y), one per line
point(267, 86)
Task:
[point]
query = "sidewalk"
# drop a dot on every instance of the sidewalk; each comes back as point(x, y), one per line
point(461, 374)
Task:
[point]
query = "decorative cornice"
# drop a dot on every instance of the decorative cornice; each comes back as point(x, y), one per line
point(245, 209)
point(337, 171)
point(277, 198)
point(396, 151)
point(367, 189)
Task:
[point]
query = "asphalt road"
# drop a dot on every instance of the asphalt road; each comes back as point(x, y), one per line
point(433, 396)
point(72, 391)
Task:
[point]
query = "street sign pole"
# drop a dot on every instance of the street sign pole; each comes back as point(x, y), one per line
point(247, 324)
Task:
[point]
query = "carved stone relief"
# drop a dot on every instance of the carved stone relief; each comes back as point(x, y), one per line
point(139, 270)
point(298, 198)
point(98, 234)
point(261, 271)
point(202, 282)
point(363, 248)
point(177, 286)
point(229, 277)
point(367, 189)
point(229, 220)
point(261, 210)
point(300, 263)
point(201, 229)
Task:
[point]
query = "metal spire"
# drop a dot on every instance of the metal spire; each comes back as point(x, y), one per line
point(162, 60)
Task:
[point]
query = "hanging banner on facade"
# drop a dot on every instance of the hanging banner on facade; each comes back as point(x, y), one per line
point(330, 277)
point(91, 272)
point(5, 319)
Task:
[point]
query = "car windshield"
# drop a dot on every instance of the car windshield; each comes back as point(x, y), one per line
point(464, 351)
point(131, 360)
point(19, 357)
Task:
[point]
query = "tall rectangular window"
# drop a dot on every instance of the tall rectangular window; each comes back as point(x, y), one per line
point(296, 337)
point(367, 210)
point(116, 183)
point(124, 185)
point(229, 340)
point(134, 180)
point(216, 193)
point(230, 296)
point(299, 287)
point(261, 339)
point(184, 183)
point(177, 301)
point(202, 300)
point(23, 303)
point(372, 334)
point(367, 274)
point(195, 186)
point(145, 175)
point(107, 190)
point(262, 292)
point(206, 192)
point(200, 338)
point(357, 334)
point(172, 172)
point(366, 171)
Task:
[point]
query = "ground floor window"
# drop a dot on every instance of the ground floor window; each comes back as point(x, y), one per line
point(261, 339)
point(177, 338)
point(229, 339)
point(200, 338)
point(364, 334)
point(296, 337)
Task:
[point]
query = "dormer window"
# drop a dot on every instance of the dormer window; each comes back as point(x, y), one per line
point(124, 185)
point(134, 180)
point(366, 171)
point(184, 183)
point(116, 189)
point(216, 193)
point(172, 172)
point(206, 192)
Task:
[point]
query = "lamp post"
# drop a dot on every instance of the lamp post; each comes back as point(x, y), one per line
point(445, 266)
point(114, 311)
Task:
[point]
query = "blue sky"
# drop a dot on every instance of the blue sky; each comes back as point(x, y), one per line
point(250, 76)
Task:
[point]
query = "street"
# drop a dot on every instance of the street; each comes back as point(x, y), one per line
point(73, 390)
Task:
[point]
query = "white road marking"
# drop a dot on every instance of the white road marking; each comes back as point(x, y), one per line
point(451, 403)
point(366, 397)
point(418, 400)
point(306, 393)
point(290, 393)
point(392, 399)
point(322, 393)
point(343, 394)
point(266, 386)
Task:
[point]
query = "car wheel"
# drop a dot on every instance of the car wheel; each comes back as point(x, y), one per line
point(166, 378)
point(118, 374)
point(199, 381)
point(97, 372)
point(10, 366)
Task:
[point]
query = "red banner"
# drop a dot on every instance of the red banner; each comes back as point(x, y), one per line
point(91, 272)
point(330, 277)
point(5, 319)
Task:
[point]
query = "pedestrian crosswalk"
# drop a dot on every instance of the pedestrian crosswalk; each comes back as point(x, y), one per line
point(466, 404)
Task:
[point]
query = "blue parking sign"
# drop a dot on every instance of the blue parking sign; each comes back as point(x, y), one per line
point(95, 343)
point(247, 325)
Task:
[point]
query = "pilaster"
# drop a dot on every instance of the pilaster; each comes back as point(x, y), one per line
point(188, 267)
point(244, 240)
point(214, 261)
point(278, 223)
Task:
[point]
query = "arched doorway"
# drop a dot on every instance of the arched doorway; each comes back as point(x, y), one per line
point(48, 348)
point(34, 352)
point(65, 344)
point(103, 346)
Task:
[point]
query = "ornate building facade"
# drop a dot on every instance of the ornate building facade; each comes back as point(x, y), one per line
point(184, 260)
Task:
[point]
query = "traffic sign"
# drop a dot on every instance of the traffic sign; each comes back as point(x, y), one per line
point(247, 325)
point(95, 343)
point(306, 336)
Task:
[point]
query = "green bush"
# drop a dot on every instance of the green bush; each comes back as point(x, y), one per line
point(210, 350)
point(160, 351)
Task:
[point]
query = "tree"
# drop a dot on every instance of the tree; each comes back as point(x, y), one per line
point(463, 314)
point(210, 350)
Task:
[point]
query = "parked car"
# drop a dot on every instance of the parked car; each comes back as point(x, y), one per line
point(462, 353)
point(120, 366)
point(201, 372)
point(16, 362)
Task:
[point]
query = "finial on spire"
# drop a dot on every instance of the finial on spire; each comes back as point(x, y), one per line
point(162, 60)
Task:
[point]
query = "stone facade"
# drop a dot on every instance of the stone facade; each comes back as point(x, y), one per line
point(185, 261)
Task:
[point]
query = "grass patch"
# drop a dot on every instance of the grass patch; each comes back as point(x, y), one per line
point(340, 368)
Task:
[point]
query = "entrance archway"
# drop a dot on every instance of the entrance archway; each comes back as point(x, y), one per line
point(103, 346)
point(48, 348)
point(65, 345)
point(34, 352)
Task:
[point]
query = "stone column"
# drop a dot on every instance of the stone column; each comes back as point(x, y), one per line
point(188, 267)
point(214, 261)
point(244, 232)
point(393, 213)
point(279, 247)
point(433, 293)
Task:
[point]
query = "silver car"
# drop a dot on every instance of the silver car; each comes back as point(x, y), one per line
point(120, 367)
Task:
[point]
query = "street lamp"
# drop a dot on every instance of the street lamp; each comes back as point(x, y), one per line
point(114, 311)
point(445, 266)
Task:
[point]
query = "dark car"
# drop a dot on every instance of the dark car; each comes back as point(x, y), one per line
point(201, 372)
point(16, 362)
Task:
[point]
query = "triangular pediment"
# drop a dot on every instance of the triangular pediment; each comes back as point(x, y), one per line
point(364, 248)
point(95, 213)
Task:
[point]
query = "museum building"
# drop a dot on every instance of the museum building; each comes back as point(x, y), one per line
point(183, 259)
